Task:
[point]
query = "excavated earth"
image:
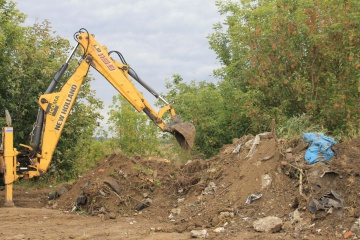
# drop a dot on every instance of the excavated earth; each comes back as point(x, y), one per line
point(151, 198)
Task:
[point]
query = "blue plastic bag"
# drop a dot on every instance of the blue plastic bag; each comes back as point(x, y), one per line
point(320, 147)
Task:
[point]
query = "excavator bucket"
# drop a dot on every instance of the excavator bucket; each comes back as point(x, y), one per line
point(184, 134)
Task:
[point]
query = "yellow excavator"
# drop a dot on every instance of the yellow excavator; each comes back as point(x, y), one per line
point(34, 160)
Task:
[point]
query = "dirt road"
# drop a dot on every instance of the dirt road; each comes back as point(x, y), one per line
point(35, 223)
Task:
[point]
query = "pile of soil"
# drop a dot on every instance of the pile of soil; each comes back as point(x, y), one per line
point(222, 197)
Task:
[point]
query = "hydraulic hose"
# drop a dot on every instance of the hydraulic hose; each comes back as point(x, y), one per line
point(36, 138)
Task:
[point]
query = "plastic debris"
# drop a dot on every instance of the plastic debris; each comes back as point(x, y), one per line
point(219, 230)
point(144, 204)
point(265, 181)
point(210, 189)
point(320, 147)
point(252, 197)
point(253, 147)
point(237, 149)
point(329, 200)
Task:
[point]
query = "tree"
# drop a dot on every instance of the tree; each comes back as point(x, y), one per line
point(30, 57)
point(11, 36)
point(132, 131)
point(35, 59)
point(201, 104)
point(282, 58)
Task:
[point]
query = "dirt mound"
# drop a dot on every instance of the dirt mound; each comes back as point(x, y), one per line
point(253, 178)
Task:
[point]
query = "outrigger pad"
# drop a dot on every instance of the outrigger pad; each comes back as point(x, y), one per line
point(184, 134)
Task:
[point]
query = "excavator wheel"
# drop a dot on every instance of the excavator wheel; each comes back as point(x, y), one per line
point(184, 134)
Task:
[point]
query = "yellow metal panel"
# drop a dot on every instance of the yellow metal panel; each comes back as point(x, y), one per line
point(10, 165)
point(57, 107)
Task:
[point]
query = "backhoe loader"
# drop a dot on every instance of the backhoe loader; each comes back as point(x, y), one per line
point(54, 108)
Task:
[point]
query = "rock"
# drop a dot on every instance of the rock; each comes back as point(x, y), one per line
point(199, 233)
point(288, 156)
point(215, 220)
point(287, 226)
point(219, 230)
point(112, 215)
point(268, 224)
point(158, 229)
point(296, 217)
point(175, 211)
point(224, 215)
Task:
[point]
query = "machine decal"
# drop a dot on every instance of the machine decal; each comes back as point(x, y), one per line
point(52, 108)
point(66, 107)
point(105, 60)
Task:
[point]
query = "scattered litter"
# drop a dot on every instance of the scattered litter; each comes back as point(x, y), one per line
point(267, 157)
point(113, 184)
point(219, 230)
point(329, 200)
point(210, 189)
point(144, 204)
point(265, 181)
point(237, 149)
point(58, 192)
point(254, 145)
point(320, 147)
point(53, 195)
point(101, 191)
point(252, 197)
point(81, 200)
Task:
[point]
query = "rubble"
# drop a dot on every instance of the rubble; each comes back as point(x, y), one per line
point(199, 233)
point(206, 197)
point(269, 224)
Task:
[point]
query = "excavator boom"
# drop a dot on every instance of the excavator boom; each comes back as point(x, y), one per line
point(117, 74)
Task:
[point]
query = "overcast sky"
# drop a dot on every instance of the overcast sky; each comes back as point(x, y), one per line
point(158, 38)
